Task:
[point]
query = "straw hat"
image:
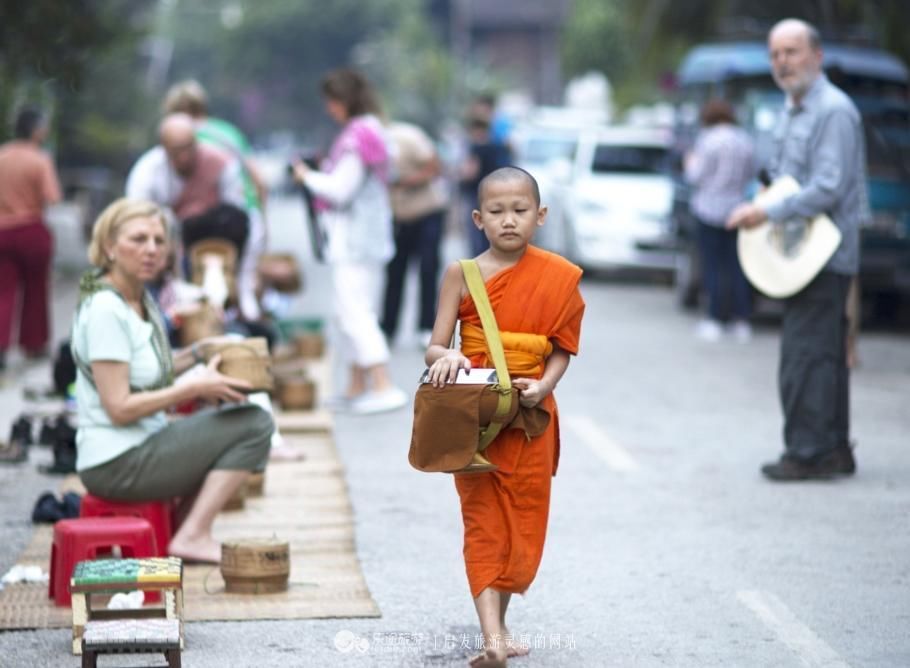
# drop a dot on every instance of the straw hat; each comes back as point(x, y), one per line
point(780, 259)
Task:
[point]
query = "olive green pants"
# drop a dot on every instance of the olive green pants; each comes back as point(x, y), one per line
point(175, 461)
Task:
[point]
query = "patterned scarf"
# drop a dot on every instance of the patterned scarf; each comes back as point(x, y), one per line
point(90, 284)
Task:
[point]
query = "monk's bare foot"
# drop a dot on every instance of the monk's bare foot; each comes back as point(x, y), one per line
point(514, 647)
point(489, 659)
point(204, 550)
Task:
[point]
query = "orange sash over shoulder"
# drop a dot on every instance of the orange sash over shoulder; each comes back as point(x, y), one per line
point(538, 306)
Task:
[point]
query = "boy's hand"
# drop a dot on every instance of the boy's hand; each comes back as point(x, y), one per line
point(531, 391)
point(445, 369)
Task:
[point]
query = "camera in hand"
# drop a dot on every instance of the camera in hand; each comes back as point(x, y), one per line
point(311, 160)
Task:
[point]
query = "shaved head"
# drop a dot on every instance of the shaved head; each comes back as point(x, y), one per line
point(177, 134)
point(505, 174)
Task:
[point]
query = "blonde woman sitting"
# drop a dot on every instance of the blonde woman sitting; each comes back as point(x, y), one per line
point(127, 448)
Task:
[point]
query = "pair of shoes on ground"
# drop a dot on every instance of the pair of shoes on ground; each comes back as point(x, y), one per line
point(13, 453)
point(713, 331)
point(61, 435)
point(54, 429)
point(49, 509)
point(16, 451)
point(370, 402)
point(834, 464)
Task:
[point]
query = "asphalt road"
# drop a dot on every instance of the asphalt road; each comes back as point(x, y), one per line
point(665, 546)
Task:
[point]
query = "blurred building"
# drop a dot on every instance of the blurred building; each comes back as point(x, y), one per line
point(518, 38)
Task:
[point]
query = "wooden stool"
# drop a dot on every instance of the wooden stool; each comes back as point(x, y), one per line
point(109, 576)
point(132, 636)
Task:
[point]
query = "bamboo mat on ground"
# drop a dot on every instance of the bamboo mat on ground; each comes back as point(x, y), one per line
point(305, 503)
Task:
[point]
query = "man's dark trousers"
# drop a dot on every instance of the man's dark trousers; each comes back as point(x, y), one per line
point(420, 238)
point(813, 375)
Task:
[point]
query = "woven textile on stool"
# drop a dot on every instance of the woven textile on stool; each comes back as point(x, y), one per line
point(131, 635)
point(84, 538)
point(158, 514)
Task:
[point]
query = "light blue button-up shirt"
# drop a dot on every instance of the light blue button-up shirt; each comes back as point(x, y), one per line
point(820, 143)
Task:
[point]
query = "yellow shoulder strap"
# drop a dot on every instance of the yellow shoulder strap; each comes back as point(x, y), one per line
point(494, 343)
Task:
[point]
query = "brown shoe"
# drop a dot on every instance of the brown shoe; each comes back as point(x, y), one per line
point(838, 462)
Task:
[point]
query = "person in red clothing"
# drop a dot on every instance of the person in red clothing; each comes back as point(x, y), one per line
point(28, 183)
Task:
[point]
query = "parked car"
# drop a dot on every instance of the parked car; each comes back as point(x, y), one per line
point(878, 83)
point(617, 200)
point(544, 143)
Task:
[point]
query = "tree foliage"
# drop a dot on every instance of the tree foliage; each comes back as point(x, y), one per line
point(47, 47)
point(597, 39)
point(90, 61)
point(265, 72)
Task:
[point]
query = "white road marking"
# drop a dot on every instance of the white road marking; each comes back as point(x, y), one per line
point(589, 432)
point(811, 650)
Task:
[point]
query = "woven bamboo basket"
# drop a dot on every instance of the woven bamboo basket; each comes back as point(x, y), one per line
point(280, 272)
point(246, 359)
point(284, 352)
point(289, 367)
point(200, 324)
point(310, 344)
point(296, 392)
point(256, 566)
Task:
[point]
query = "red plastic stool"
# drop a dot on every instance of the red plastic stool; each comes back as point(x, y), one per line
point(80, 539)
point(158, 514)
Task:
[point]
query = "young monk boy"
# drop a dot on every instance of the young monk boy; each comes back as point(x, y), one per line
point(538, 308)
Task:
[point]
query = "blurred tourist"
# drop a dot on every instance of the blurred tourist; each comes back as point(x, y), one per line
point(189, 97)
point(203, 187)
point(720, 167)
point(353, 201)
point(419, 203)
point(127, 448)
point(484, 106)
point(28, 183)
point(485, 155)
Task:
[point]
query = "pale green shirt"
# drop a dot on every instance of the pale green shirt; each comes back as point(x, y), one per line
point(107, 329)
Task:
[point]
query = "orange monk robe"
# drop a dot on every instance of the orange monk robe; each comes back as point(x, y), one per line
point(537, 303)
